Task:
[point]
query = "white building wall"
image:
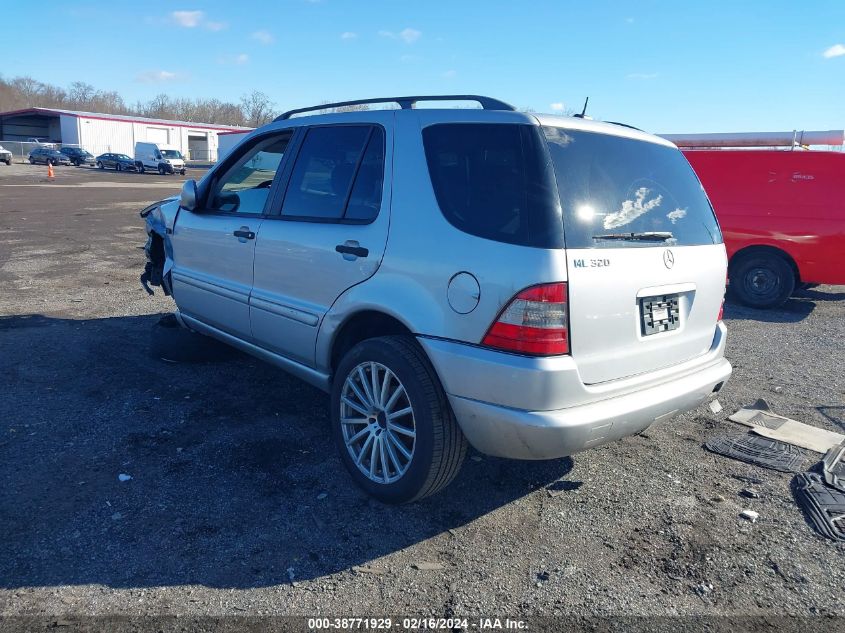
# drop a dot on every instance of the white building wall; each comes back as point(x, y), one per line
point(69, 126)
point(112, 135)
point(227, 142)
point(99, 136)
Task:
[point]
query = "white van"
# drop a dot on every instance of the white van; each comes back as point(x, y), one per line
point(165, 159)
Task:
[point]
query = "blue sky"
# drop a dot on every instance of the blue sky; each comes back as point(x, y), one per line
point(663, 66)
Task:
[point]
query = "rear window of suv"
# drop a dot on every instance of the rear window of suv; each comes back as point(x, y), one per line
point(611, 186)
point(495, 181)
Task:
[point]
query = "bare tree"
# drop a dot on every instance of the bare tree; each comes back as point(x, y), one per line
point(18, 93)
point(257, 108)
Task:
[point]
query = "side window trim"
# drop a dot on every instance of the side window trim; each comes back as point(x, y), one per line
point(355, 172)
point(292, 156)
point(232, 159)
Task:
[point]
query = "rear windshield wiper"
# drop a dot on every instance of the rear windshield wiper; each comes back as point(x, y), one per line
point(644, 236)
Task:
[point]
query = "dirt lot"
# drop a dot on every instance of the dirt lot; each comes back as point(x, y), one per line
point(236, 490)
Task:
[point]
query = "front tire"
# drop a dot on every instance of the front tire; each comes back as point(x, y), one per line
point(394, 429)
point(762, 280)
point(117, 167)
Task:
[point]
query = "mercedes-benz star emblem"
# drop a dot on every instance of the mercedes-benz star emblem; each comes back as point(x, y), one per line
point(668, 258)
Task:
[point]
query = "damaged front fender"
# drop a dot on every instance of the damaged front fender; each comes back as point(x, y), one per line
point(160, 219)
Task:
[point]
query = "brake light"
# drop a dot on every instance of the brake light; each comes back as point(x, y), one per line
point(534, 322)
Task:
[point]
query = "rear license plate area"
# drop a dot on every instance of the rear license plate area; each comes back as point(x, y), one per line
point(659, 314)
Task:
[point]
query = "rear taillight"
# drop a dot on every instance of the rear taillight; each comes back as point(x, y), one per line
point(534, 322)
point(721, 311)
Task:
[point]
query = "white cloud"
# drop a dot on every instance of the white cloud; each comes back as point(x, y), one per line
point(188, 19)
point(632, 209)
point(407, 35)
point(410, 35)
point(450, 74)
point(641, 76)
point(233, 60)
point(677, 214)
point(263, 36)
point(837, 50)
point(156, 76)
point(557, 106)
point(348, 35)
point(193, 19)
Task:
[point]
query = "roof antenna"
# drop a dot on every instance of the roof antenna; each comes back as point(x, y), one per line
point(583, 114)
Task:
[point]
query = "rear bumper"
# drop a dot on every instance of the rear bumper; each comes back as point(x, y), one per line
point(594, 415)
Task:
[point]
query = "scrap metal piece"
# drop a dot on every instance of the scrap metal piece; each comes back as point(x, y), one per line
point(802, 435)
point(757, 414)
point(823, 506)
point(763, 421)
point(833, 466)
point(759, 451)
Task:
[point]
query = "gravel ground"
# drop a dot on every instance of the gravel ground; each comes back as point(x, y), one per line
point(238, 504)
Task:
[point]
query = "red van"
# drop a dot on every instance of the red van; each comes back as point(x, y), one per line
point(782, 214)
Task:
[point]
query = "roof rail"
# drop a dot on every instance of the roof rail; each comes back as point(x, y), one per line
point(406, 103)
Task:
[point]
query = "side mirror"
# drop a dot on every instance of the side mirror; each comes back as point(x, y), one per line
point(188, 197)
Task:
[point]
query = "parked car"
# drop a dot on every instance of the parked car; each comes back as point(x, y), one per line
point(424, 268)
point(48, 156)
point(5, 155)
point(118, 162)
point(164, 159)
point(40, 142)
point(78, 156)
point(783, 217)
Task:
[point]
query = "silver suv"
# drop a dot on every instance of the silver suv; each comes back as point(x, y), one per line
point(533, 285)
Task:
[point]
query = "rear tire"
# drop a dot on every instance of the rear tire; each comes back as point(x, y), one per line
point(761, 280)
point(431, 458)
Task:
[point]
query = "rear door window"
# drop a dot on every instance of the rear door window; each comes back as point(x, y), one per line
point(495, 181)
point(338, 175)
point(613, 187)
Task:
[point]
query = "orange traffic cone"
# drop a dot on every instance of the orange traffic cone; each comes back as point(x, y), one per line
point(50, 173)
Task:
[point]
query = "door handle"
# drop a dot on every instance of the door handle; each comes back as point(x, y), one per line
point(352, 248)
point(244, 234)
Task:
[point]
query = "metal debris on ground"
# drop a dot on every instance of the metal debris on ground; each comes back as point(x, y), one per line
point(824, 506)
point(427, 566)
point(715, 406)
point(749, 493)
point(833, 466)
point(763, 421)
point(802, 435)
point(759, 451)
point(366, 569)
point(750, 515)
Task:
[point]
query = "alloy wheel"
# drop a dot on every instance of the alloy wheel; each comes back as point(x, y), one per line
point(377, 421)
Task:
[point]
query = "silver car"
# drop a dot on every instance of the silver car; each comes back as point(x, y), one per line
point(531, 285)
